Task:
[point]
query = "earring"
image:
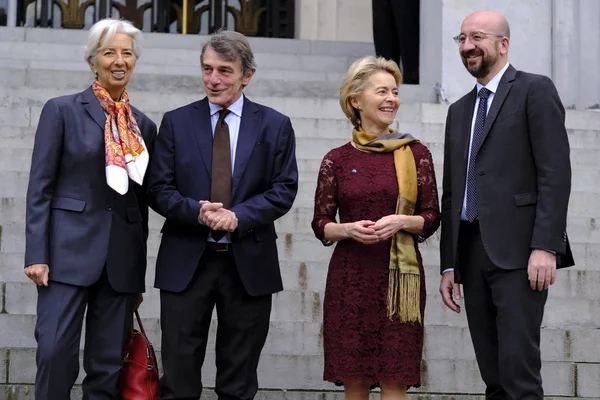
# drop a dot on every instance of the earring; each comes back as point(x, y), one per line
point(96, 74)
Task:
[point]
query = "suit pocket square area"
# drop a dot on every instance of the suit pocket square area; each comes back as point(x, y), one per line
point(525, 199)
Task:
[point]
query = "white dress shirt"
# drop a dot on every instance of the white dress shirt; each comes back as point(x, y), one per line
point(233, 120)
point(492, 86)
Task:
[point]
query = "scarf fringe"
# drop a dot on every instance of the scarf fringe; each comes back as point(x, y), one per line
point(404, 296)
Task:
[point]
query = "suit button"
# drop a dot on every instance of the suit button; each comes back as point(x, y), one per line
point(108, 208)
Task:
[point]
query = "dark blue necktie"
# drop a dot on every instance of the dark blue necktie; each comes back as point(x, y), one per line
point(471, 211)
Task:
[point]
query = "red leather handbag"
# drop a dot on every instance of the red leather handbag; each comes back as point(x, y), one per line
point(138, 379)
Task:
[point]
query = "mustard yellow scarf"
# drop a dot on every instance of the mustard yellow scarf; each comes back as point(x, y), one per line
point(404, 290)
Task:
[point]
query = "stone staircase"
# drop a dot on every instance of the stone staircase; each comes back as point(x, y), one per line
point(300, 79)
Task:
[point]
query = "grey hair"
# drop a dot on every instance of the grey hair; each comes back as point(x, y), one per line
point(110, 27)
point(231, 46)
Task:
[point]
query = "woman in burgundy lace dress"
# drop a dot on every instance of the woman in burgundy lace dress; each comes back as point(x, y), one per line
point(383, 185)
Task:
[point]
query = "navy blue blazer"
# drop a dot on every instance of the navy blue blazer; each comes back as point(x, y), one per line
point(264, 186)
point(75, 222)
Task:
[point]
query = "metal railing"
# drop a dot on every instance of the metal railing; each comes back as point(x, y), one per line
point(266, 18)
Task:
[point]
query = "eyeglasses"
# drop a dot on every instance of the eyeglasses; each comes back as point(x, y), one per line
point(474, 37)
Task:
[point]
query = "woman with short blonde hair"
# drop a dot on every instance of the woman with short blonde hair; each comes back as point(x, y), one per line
point(383, 186)
point(356, 79)
point(87, 220)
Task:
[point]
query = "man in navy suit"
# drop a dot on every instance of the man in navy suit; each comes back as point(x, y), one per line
point(224, 169)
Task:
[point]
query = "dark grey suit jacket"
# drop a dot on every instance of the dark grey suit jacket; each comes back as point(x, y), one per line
point(523, 173)
point(75, 223)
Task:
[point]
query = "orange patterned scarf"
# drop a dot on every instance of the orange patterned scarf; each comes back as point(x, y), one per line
point(126, 154)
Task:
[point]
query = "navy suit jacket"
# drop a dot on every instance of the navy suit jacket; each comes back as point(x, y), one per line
point(75, 222)
point(264, 186)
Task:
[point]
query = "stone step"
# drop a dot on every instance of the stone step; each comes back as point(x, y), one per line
point(573, 344)
point(274, 80)
point(20, 111)
point(77, 39)
point(293, 106)
point(74, 81)
point(68, 56)
point(25, 392)
point(584, 180)
point(309, 152)
point(315, 137)
point(301, 246)
point(18, 159)
point(572, 301)
point(305, 372)
point(579, 122)
point(297, 249)
point(308, 272)
point(298, 220)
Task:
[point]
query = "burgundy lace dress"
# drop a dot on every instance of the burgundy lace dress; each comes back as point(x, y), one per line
point(361, 343)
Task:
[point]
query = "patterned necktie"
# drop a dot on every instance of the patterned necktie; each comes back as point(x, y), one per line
point(472, 211)
point(220, 188)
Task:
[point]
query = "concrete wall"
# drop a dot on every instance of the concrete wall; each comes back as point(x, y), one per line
point(340, 20)
point(557, 38)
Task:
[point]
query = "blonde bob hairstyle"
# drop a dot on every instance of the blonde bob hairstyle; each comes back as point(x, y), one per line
point(356, 80)
point(108, 28)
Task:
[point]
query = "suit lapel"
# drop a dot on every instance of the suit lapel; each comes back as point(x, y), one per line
point(93, 107)
point(249, 130)
point(499, 97)
point(202, 128)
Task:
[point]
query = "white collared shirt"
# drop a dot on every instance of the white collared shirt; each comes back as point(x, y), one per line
point(492, 86)
point(233, 120)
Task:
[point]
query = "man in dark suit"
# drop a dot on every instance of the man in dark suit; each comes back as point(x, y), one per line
point(506, 186)
point(224, 171)
point(396, 34)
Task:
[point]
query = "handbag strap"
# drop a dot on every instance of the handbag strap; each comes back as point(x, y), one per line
point(139, 321)
point(149, 350)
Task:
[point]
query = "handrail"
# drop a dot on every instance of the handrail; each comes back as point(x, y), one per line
point(184, 17)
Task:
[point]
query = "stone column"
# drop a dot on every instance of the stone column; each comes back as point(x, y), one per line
point(576, 52)
point(340, 20)
point(432, 42)
point(11, 13)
